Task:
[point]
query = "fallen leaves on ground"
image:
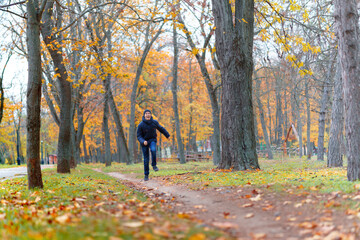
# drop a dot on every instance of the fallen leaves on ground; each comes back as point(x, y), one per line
point(69, 204)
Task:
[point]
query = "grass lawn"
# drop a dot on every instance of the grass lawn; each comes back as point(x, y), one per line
point(88, 205)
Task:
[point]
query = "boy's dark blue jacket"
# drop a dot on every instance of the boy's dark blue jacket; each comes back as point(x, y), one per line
point(146, 130)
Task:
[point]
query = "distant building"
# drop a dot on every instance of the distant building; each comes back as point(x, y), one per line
point(53, 159)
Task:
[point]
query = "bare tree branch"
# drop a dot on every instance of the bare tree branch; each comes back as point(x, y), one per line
point(5, 10)
point(12, 4)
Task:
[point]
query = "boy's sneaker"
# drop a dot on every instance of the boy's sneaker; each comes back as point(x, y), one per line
point(146, 178)
point(156, 168)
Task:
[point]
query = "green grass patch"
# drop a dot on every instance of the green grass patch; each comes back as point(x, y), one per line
point(87, 205)
point(300, 174)
point(11, 166)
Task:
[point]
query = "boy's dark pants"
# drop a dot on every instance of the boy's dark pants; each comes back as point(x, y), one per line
point(152, 147)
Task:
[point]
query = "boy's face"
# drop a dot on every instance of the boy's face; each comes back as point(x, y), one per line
point(147, 115)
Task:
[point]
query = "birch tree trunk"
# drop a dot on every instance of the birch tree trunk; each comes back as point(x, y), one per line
point(234, 48)
point(347, 18)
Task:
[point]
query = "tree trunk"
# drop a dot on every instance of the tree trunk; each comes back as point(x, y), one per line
point(335, 156)
point(296, 109)
point(192, 135)
point(72, 145)
point(308, 121)
point(106, 132)
point(33, 103)
point(299, 125)
point(347, 19)
point(80, 128)
point(64, 141)
point(234, 45)
point(286, 117)
point(18, 142)
point(85, 149)
point(279, 114)
point(323, 108)
point(269, 113)
point(175, 101)
point(2, 99)
point(262, 119)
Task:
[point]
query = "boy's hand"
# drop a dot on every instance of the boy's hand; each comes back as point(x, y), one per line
point(145, 143)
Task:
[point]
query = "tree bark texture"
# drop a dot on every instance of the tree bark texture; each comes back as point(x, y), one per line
point(346, 16)
point(175, 100)
point(33, 101)
point(336, 141)
point(234, 47)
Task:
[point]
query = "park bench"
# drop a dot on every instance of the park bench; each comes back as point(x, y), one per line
point(197, 157)
point(189, 157)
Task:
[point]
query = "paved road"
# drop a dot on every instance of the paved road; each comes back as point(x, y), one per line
point(6, 173)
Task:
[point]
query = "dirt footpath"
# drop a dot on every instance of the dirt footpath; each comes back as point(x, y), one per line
point(253, 213)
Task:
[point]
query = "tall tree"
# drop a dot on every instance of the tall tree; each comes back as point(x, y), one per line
point(54, 47)
point(347, 18)
point(234, 48)
point(175, 97)
point(33, 102)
